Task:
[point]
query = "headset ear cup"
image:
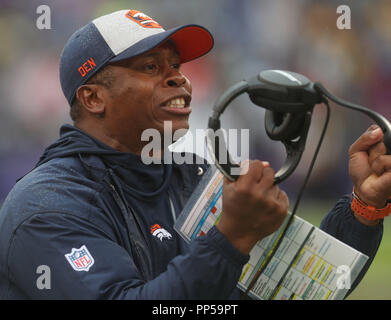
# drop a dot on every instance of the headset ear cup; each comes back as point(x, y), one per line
point(283, 126)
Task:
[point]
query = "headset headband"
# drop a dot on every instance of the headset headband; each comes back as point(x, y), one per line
point(289, 98)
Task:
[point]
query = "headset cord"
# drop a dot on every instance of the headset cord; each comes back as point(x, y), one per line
point(277, 243)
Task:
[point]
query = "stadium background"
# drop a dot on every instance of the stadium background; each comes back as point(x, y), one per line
point(250, 36)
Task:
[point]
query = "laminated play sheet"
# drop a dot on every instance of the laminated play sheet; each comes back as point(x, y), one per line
point(309, 263)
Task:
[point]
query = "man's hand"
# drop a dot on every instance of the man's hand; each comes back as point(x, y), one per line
point(370, 169)
point(253, 207)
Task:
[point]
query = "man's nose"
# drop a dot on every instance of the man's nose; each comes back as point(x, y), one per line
point(175, 80)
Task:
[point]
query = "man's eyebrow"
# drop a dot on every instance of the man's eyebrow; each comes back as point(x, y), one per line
point(157, 53)
point(150, 54)
point(169, 44)
point(146, 55)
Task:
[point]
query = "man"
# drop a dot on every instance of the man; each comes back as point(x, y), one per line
point(102, 220)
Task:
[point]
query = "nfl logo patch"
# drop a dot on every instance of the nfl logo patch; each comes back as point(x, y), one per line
point(80, 259)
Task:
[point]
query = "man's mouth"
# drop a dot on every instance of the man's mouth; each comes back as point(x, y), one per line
point(177, 105)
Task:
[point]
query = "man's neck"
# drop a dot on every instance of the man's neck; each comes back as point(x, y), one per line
point(136, 146)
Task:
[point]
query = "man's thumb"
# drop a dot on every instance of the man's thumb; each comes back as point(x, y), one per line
point(369, 138)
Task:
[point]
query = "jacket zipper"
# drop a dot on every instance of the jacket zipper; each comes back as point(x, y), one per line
point(141, 263)
point(173, 212)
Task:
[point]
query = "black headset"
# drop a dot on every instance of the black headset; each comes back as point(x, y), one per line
point(289, 98)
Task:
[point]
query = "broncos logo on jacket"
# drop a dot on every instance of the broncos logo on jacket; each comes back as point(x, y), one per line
point(160, 233)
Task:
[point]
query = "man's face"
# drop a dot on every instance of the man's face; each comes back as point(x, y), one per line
point(147, 90)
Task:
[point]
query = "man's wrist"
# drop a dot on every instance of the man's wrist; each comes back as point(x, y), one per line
point(377, 204)
point(243, 243)
point(368, 214)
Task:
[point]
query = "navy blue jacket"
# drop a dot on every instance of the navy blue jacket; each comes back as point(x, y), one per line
point(102, 221)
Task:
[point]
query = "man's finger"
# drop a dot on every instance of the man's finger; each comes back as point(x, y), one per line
point(267, 179)
point(370, 137)
point(251, 171)
point(381, 164)
point(384, 181)
point(375, 151)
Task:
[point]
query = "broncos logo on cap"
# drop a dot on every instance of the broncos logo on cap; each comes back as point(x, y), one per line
point(142, 19)
point(160, 233)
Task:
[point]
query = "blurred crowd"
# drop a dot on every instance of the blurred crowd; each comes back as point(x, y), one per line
point(250, 36)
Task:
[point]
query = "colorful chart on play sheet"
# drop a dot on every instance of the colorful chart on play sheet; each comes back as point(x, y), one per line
point(309, 264)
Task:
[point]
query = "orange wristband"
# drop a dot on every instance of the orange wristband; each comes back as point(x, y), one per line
point(369, 212)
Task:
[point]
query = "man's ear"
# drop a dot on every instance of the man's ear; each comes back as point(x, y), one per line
point(91, 97)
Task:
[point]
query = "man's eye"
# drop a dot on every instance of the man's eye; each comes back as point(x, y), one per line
point(151, 67)
point(176, 66)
